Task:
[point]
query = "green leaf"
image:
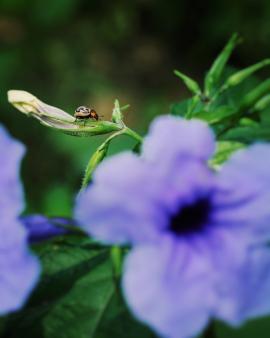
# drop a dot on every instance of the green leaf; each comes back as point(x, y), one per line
point(248, 134)
point(188, 108)
point(94, 161)
point(263, 103)
point(223, 152)
point(195, 103)
point(78, 296)
point(259, 327)
point(241, 75)
point(180, 108)
point(191, 84)
point(265, 116)
point(82, 129)
point(215, 72)
point(216, 115)
point(247, 122)
point(251, 98)
point(2, 326)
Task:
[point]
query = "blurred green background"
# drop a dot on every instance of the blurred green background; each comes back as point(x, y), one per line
point(80, 52)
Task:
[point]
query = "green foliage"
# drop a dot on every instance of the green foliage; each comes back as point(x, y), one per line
point(180, 108)
point(190, 83)
point(75, 52)
point(223, 152)
point(95, 159)
point(241, 75)
point(102, 150)
point(262, 103)
point(235, 104)
point(216, 115)
point(255, 328)
point(187, 108)
point(214, 74)
point(254, 96)
point(247, 134)
point(78, 296)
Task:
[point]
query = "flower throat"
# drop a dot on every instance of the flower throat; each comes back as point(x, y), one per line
point(191, 218)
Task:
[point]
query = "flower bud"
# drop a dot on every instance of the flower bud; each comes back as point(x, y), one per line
point(56, 118)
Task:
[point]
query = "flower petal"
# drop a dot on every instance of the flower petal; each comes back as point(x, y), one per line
point(243, 193)
point(11, 198)
point(40, 228)
point(249, 289)
point(112, 218)
point(19, 269)
point(125, 205)
point(171, 137)
point(169, 288)
point(120, 206)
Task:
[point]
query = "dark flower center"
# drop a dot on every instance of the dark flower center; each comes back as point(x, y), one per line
point(191, 218)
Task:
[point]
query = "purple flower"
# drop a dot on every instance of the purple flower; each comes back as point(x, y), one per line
point(40, 228)
point(199, 238)
point(19, 270)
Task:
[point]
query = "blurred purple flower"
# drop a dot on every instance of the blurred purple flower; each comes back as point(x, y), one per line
point(40, 228)
point(19, 270)
point(199, 238)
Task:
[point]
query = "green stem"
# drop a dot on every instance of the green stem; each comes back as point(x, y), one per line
point(108, 140)
point(125, 131)
point(116, 255)
point(132, 134)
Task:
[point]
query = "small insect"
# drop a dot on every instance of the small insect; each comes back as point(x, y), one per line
point(83, 113)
